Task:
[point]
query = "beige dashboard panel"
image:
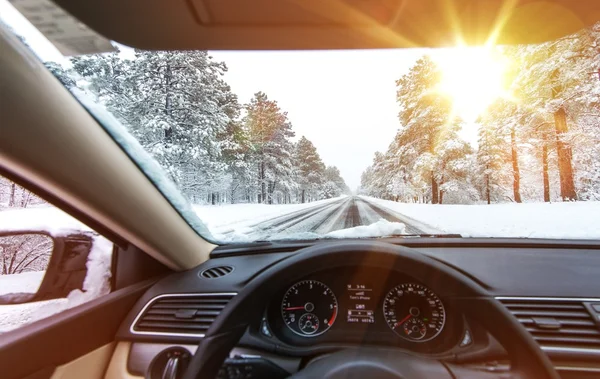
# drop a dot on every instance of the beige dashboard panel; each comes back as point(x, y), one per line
point(117, 368)
point(90, 366)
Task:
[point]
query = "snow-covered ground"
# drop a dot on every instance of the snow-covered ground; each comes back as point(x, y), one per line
point(234, 222)
point(44, 218)
point(26, 282)
point(572, 220)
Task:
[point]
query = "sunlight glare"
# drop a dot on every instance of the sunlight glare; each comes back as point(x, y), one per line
point(473, 77)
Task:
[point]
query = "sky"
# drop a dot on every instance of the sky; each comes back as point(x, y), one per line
point(342, 101)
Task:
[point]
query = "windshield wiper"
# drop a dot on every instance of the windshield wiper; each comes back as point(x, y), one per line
point(440, 235)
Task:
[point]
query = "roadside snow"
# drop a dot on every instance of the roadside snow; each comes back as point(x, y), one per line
point(573, 220)
point(26, 282)
point(44, 219)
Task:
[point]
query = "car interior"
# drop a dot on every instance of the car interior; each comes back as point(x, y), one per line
point(182, 306)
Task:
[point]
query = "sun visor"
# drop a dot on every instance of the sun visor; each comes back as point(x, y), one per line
point(330, 24)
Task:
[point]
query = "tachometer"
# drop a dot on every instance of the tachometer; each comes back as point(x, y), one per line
point(414, 312)
point(309, 308)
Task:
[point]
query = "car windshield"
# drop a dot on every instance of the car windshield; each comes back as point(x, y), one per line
point(491, 141)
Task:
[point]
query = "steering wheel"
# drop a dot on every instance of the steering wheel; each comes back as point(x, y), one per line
point(470, 297)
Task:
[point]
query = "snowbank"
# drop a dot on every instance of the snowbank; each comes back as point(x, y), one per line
point(573, 220)
point(45, 219)
point(380, 228)
point(26, 282)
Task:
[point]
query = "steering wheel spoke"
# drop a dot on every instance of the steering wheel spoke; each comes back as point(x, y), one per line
point(373, 363)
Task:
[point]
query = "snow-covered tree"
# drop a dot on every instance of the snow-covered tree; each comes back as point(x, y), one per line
point(310, 170)
point(24, 253)
point(540, 143)
point(270, 134)
point(332, 175)
point(13, 195)
point(179, 108)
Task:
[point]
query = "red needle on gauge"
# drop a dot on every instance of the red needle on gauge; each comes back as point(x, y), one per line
point(402, 321)
point(293, 308)
point(332, 319)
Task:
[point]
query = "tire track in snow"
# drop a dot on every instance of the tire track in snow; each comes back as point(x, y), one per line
point(352, 216)
point(412, 226)
point(335, 220)
point(286, 222)
point(340, 214)
point(282, 219)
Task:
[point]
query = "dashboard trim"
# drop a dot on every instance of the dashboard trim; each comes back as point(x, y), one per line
point(577, 368)
point(580, 350)
point(559, 349)
point(583, 299)
point(163, 334)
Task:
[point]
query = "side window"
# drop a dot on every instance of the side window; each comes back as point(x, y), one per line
point(49, 261)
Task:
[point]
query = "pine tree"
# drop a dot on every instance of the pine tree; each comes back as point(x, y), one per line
point(332, 175)
point(269, 133)
point(425, 116)
point(176, 104)
point(506, 118)
point(491, 158)
point(109, 79)
point(311, 170)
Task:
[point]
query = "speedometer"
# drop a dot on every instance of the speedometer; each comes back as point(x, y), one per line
point(309, 308)
point(414, 312)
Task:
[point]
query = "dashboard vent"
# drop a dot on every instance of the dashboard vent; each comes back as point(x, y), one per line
point(180, 315)
point(216, 272)
point(556, 322)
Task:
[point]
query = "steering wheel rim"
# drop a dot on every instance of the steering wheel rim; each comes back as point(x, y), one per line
point(527, 359)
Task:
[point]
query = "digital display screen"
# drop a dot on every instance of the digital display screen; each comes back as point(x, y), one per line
point(361, 306)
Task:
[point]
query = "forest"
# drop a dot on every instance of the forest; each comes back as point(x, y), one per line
point(214, 149)
point(541, 143)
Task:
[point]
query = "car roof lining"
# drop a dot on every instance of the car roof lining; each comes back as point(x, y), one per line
point(52, 142)
point(330, 24)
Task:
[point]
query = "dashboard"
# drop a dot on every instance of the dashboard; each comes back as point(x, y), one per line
point(316, 311)
point(363, 305)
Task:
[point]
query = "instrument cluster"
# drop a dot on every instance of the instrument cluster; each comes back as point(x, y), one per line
point(361, 304)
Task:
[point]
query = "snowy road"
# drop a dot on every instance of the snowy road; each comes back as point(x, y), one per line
point(345, 213)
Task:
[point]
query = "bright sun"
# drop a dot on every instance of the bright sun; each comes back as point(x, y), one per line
point(473, 77)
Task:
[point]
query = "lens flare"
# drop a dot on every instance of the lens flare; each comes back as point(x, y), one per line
point(473, 77)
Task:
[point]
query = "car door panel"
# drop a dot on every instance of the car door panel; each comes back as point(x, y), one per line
point(37, 349)
point(90, 366)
